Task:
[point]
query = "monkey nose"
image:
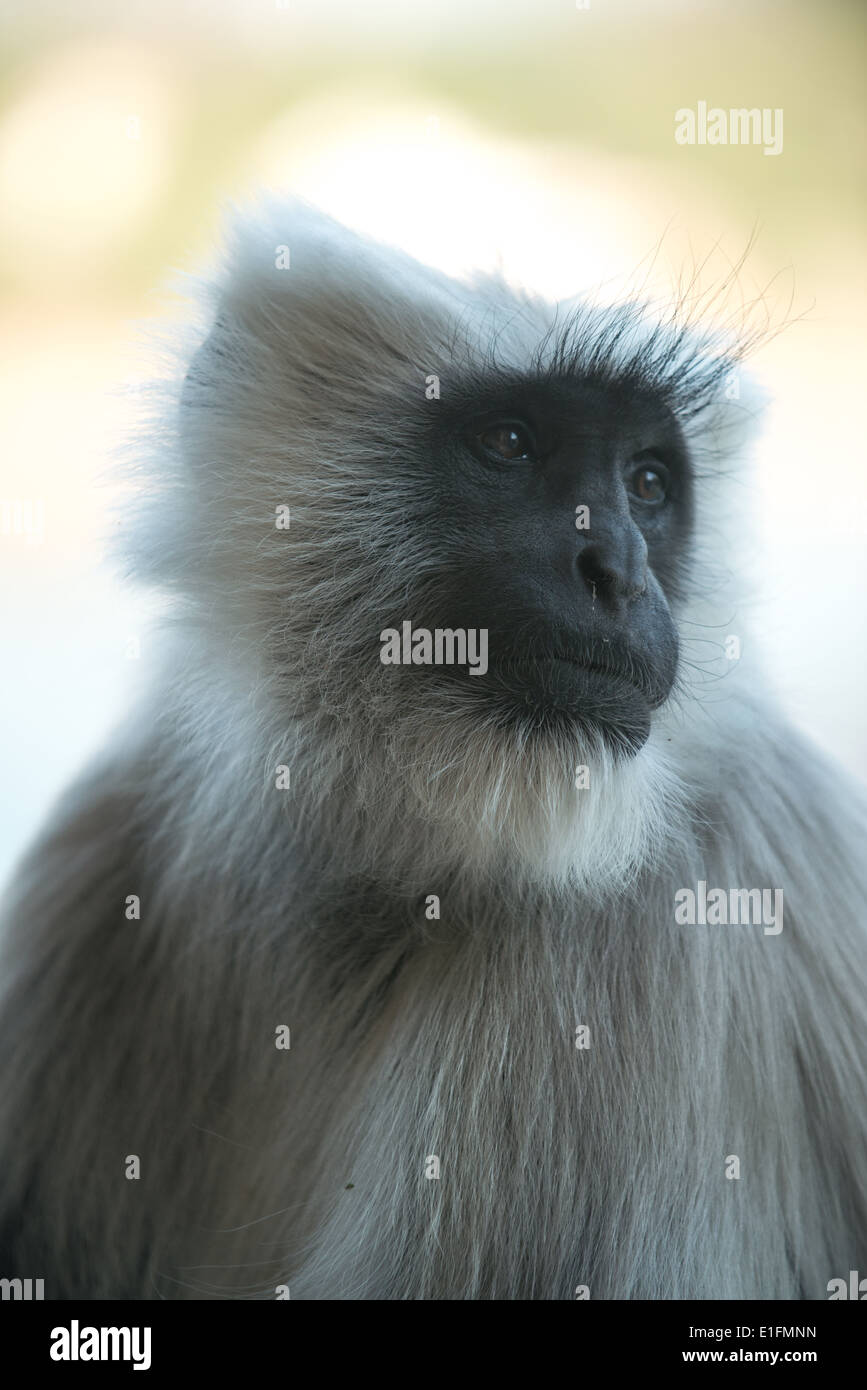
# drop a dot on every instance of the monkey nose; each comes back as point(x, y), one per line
point(613, 573)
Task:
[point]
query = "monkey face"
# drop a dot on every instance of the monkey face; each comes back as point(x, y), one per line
point(563, 511)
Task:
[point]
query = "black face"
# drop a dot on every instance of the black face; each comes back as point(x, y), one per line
point(580, 630)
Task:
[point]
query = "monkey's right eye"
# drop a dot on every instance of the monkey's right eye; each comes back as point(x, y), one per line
point(507, 441)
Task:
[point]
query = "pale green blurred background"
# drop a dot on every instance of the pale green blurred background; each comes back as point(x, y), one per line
point(537, 136)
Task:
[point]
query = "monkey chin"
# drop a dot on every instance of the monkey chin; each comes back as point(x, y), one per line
point(568, 784)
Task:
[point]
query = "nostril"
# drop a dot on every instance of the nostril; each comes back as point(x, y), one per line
point(606, 579)
point(595, 572)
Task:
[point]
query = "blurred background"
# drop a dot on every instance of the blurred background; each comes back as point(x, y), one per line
point(534, 135)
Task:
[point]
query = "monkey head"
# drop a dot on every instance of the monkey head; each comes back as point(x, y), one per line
point(364, 447)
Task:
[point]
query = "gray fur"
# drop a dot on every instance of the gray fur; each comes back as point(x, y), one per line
point(559, 1167)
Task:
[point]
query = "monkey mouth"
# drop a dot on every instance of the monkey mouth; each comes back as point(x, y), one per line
point(598, 663)
point(611, 693)
point(606, 671)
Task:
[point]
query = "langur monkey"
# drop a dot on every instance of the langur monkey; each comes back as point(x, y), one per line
point(447, 922)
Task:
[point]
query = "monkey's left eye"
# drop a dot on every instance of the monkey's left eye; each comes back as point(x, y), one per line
point(508, 441)
point(649, 482)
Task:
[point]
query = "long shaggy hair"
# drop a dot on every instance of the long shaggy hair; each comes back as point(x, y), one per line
point(421, 1032)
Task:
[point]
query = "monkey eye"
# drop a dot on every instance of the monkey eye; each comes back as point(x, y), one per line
point(507, 441)
point(649, 482)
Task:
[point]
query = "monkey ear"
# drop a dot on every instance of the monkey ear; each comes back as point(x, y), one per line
point(309, 314)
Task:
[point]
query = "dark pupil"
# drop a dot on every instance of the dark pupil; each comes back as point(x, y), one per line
point(506, 441)
point(648, 485)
